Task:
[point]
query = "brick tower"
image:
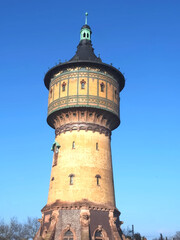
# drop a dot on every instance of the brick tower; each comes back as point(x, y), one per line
point(83, 108)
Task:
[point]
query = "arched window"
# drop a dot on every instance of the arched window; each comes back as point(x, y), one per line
point(83, 84)
point(84, 35)
point(97, 178)
point(102, 87)
point(98, 235)
point(87, 35)
point(63, 86)
point(71, 176)
point(68, 235)
point(73, 145)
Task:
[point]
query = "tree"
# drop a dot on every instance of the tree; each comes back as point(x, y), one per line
point(127, 232)
point(17, 231)
point(177, 235)
point(137, 236)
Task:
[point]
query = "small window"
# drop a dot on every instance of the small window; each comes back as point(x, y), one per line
point(116, 94)
point(98, 179)
point(68, 235)
point(67, 115)
point(74, 114)
point(64, 87)
point(57, 150)
point(73, 145)
point(82, 114)
point(97, 147)
point(87, 35)
point(83, 84)
point(50, 93)
point(102, 87)
point(84, 35)
point(71, 176)
point(55, 158)
point(52, 179)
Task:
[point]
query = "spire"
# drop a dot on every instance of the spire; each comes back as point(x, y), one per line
point(86, 14)
point(85, 51)
point(85, 32)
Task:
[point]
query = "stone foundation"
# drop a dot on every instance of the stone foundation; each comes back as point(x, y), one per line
point(81, 220)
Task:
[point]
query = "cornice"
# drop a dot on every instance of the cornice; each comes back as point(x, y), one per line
point(83, 126)
point(84, 204)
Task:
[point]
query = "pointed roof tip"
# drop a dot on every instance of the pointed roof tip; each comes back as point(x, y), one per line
point(86, 22)
point(86, 15)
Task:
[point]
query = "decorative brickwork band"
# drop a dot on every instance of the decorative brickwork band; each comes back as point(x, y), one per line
point(83, 126)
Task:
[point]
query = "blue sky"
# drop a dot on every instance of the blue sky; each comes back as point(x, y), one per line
point(140, 37)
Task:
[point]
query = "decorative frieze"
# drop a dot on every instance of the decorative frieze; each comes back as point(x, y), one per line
point(84, 204)
point(83, 72)
point(89, 101)
point(83, 126)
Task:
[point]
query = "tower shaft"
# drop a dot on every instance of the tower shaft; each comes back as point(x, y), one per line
point(83, 169)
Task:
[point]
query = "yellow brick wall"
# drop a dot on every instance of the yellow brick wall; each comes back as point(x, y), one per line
point(85, 162)
point(92, 86)
point(56, 91)
point(73, 86)
point(110, 90)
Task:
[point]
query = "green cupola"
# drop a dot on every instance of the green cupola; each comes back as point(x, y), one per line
point(85, 32)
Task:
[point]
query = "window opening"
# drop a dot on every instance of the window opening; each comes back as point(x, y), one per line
point(50, 93)
point(52, 179)
point(73, 145)
point(82, 114)
point(97, 147)
point(87, 35)
point(55, 148)
point(56, 151)
point(98, 179)
point(102, 87)
point(83, 84)
point(84, 35)
point(116, 94)
point(71, 176)
point(63, 86)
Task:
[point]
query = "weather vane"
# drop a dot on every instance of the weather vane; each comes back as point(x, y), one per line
point(86, 14)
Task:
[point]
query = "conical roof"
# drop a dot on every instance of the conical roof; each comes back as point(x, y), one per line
point(85, 51)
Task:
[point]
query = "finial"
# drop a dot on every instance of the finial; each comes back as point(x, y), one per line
point(86, 14)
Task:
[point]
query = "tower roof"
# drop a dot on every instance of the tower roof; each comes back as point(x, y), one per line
point(85, 51)
point(85, 56)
